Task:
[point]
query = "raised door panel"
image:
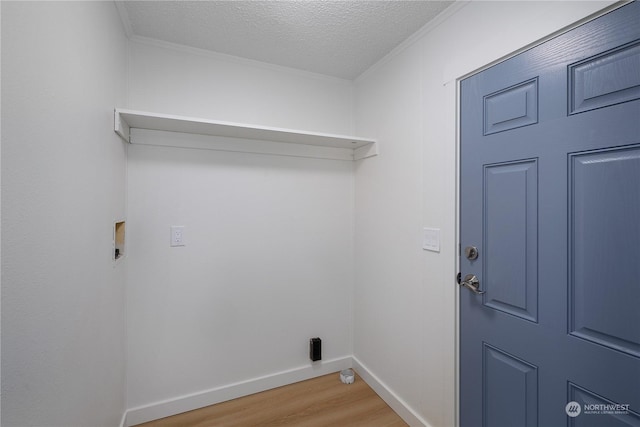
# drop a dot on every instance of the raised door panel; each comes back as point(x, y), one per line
point(510, 392)
point(597, 411)
point(510, 242)
point(606, 79)
point(605, 217)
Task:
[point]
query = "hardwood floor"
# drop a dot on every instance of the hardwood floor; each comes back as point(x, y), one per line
point(322, 401)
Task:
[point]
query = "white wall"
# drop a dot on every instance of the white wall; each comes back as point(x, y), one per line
point(197, 83)
point(269, 257)
point(389, 328)
point(63, 168)
point(405, 298)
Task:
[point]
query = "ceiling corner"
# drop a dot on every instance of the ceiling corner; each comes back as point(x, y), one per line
point(124, 17)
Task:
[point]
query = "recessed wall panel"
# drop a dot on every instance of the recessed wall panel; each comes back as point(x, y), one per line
point(606, 79)
point(604, 303)
point(510, 390)
point(510, 263)
point(511, 108)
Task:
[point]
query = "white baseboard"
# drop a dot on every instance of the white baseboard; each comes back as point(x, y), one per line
point(204, 398)
point(193, 401)
point(393, 400)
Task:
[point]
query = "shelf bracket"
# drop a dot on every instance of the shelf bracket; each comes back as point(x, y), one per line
point(121, 127)
point(368, 150)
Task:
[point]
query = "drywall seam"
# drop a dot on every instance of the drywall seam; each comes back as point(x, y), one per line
point(392, 399)
point(127, 99)
point(204, 398)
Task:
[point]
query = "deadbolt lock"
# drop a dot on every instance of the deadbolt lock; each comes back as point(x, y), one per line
point(471, 252)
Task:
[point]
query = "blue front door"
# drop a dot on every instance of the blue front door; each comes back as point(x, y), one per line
point(550, 220)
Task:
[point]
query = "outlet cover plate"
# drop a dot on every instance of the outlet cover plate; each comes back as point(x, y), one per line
point(177, 235)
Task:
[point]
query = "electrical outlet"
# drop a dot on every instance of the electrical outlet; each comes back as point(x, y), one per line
point(177, 235)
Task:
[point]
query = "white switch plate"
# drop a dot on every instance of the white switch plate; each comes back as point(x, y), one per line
point(431, 239)
point(177, 235)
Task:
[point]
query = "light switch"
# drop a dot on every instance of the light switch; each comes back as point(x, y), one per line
point(431, 239)
point(177, 235)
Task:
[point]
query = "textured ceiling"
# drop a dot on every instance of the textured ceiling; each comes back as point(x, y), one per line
point(336, 38)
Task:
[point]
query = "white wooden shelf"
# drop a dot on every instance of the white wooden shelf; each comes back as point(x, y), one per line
point(287, 141)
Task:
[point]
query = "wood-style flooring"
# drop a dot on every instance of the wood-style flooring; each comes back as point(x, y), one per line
point(322, 401)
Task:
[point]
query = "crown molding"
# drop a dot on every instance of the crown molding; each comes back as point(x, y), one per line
point(415, 37)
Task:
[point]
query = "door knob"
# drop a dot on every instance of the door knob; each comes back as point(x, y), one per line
point(472, 283)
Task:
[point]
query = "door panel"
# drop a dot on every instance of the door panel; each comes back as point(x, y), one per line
point(510, 227)
point(605, 218)
point(613, 418)
point(511, 108)
point(606, 79)
point(550, 194)
point(510, 242)
point(510, 392)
